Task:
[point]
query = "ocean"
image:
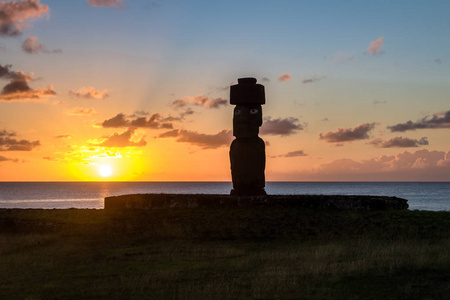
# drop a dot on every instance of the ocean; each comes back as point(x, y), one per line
point(432, 196)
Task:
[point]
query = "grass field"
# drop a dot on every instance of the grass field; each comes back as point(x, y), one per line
point(241, 253)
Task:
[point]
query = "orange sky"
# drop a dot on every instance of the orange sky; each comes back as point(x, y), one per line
point(141, 89)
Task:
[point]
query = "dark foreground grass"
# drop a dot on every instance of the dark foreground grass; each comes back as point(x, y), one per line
point(276, 253)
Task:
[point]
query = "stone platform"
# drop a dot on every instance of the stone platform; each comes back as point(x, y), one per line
point(167, 201)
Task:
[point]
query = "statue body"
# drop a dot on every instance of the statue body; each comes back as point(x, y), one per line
point(247, 151)
point(248, 161)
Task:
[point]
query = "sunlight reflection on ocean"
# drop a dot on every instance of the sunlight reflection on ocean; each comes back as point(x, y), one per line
point(433, 196)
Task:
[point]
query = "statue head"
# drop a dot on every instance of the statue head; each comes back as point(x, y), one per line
point(248, 96)
point(246, 120)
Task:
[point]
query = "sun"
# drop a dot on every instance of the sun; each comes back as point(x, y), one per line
point(105, 170)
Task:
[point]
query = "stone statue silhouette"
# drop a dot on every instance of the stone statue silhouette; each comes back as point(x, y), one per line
point(247, 151)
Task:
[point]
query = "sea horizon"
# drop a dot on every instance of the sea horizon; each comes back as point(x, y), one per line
point(433, 196)
point(306, 181)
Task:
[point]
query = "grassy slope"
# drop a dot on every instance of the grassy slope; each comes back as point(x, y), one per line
point(227, 253)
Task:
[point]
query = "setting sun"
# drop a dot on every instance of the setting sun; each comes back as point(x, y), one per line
point(105, 170)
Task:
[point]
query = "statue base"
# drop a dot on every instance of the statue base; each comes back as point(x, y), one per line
point(172, 201)
point(248, 192)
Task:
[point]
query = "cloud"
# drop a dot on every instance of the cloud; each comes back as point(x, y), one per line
point(152, 5)
point(280, 126)
point(11, 144)
point(360, 132)
point(342, 57)
point(112, 3)
point(376, 102)
point(374, 47)
point(64, 136)
point(155, 121)
point(117, 121)
point(139, 113)
point(32, 46)
point(284, 77)
point(7, 133)
point(312, 79)
point(80, 111)
point(2, 158)
point(18, 89)
point(14, 15)
point(89, 93)
point(297, 153)
point(6, 73)
point(123, 139)
point(438, 121)
point(205, 141)
point(399, 142)
point(421, 165)
point(200, 100)
point(50, 158)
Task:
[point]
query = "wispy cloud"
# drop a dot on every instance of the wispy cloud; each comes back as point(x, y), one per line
point(89, 93)
point(376, 102)
point(375, 47)
point(14, 15)
point(80, 111)
point(280, 126)
point(285, 77)
point(399, 142)
point(342, 57)
point(200, 100)
point(107, 3)
point(7, 143)
point(3, 158)
point(298, 153)
point(155, 121)
point(438, 121)
point(312, 79)
point(360, 132)
point(205, 141)
point(32, 46)
point(64, 136)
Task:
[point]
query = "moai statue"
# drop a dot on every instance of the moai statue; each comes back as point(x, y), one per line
point(247, 151)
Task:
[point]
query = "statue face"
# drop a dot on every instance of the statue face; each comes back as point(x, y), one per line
point(246, 120)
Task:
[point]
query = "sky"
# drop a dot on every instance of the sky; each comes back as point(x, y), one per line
point(139, 90)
